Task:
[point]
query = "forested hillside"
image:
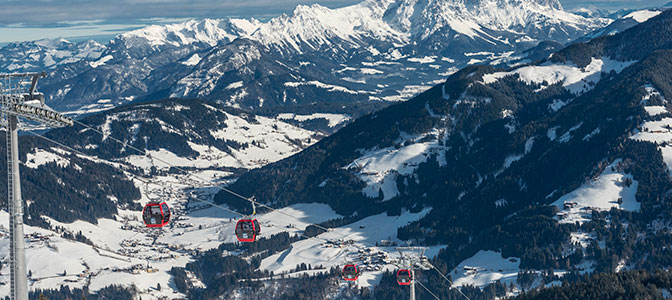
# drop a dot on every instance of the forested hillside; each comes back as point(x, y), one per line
point(498, 150)
point(625, 285)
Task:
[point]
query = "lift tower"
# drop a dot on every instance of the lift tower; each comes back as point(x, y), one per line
point(412, 258)
point(19, 99)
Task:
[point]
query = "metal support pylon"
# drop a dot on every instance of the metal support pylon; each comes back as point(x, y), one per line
point(19, 98)
point(19, 281)
point(415, 257)
point(412, 283)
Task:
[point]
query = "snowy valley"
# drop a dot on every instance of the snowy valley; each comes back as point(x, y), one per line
point(482, 130)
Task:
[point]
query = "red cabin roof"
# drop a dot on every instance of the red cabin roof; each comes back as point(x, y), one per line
point(247, 230)
point(156, 214)
point(404, 277)
point(350, 272)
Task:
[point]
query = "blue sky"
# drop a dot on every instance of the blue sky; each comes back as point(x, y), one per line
point(36, 19)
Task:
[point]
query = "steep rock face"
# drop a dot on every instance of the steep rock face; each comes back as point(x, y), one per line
point(391, 39)
point(423, 28)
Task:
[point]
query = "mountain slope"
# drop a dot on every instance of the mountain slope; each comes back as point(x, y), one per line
point(248, 75)
point(189, 133)
point(140, 62)
point(61, 185)
point(503, 156)
point(623, 23)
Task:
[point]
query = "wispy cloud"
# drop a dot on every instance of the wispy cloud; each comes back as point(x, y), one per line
point(613, 4)
point(35, 19)
point(49, 12)
point(46, 12)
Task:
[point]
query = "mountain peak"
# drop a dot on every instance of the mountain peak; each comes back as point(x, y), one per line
point(550, 3)
point(472, 17)
point(402, 20)
point(53, 43)
point(209, 31)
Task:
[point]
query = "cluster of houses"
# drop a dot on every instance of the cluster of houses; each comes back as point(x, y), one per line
point(338, 243)
point(134, 269)
point(372, 259)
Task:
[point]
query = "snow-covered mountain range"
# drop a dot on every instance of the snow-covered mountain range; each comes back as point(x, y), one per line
point(46, 55)
point(628, 20)
point(379, 50)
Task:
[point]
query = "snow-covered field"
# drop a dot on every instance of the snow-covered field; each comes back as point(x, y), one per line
point(333, 119)
point(486, 267)
point(125, 252)
point(612, 189)
point(660, 131)
point(353, 243)
point(218, 225)
point(379, 168)
point(267, 140)
point(40, 157)
point(642, 15)
point(576, 80)
point(655, 110)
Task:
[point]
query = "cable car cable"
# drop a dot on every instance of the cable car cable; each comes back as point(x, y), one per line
point(125, 171)
point(84, 154)
point(451, 283)
point(143, 152)
point(429, 291)
point(250, 199)
point(199, 200)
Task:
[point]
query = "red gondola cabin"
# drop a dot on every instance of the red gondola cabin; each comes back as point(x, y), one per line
point(350, 272)
point(247, 230)
point(156, 214)
point(404, 277)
